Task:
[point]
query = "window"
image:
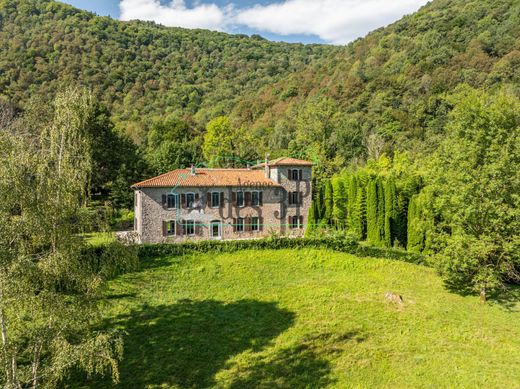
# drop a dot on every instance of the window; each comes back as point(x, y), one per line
point(240, 199)
point(190, 200)
point(172, 201)
point(294, 198)
point(240, 225)
point(215, 199)
point(294, 222)
point(170, 228)
point(255, 225)
point(256, 198)
point(295, 174)
point(190, 227)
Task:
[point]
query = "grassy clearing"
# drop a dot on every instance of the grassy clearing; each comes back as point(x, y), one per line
point(307, 318)
point(99, 238)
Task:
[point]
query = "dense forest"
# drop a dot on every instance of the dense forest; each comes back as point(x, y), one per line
point(335, 105)
point(139, 70)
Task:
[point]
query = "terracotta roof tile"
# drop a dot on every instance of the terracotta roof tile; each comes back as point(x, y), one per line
point(285, 161)
point(208, 177)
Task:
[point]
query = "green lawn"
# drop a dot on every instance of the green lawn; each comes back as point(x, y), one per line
point(99, 238)
point(307, 318)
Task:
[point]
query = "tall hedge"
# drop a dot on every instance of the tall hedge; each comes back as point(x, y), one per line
point(390, 214)
point(372, 224)
point(340, 200)
point(328, 204)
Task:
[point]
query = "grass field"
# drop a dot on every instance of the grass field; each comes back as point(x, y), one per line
point(307, 318)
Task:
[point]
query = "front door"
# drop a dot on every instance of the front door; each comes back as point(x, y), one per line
point(216, 230)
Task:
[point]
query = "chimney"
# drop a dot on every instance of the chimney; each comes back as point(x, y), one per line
point(192, 170)
point(266, 167)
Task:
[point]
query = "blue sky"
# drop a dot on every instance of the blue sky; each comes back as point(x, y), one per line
point(307, 21)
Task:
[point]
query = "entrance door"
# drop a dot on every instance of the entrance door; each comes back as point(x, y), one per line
point(215, 229)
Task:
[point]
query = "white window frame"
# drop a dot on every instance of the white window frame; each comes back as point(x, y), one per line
point(175, 201)
point(220, 231)
point(186, 222)
point(187, 201)
point(212, 198)
point(243, 198)
point(170, 228)
point(253, 229)
point(240, 222)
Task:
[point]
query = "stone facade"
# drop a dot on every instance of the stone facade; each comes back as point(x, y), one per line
point(275, 211)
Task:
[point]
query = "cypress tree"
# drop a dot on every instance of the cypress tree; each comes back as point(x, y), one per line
point(402, 220)
point(328, 204)
point(390, 222)
point(318, 205)
point(339, 194)
point(312, 221)
point(361, 208)
point(371, 212)
point(351, 202)
point(380, 212)
point(415, 235)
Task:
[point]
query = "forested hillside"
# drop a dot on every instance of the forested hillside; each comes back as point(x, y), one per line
point(335, 105)
point(140, 70)
point(388, 90)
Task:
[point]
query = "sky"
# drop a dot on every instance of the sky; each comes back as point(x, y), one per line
point(306, 21)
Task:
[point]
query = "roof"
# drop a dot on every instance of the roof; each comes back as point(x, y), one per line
point(285, 161)
point(208, 177)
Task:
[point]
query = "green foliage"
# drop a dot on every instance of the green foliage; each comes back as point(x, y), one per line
point(391, 215)
point(141, 71)
point(328, 204)
point(475, 181)
point(48, 293)
point(373, 232)
point(218, 148)
point(340, 197)
point(171, 144)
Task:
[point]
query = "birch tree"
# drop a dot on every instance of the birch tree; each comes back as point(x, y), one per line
point(48, 292)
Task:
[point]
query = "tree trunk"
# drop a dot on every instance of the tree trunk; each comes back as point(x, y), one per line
point(482, 295)
point(10, 368)
point(35, 366)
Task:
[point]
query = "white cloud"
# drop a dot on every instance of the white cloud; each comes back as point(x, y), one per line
point(176, 13)
point(334, 21)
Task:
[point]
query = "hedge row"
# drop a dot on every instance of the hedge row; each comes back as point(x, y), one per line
point(340, 244)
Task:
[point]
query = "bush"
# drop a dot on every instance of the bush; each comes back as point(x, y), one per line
point(337, 241)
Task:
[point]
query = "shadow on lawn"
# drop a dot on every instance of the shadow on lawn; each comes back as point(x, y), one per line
point(186, 344)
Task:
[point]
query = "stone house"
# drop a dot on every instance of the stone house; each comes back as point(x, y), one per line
point(196, 204)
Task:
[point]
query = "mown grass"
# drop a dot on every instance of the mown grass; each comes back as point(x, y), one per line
point(306, 318)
